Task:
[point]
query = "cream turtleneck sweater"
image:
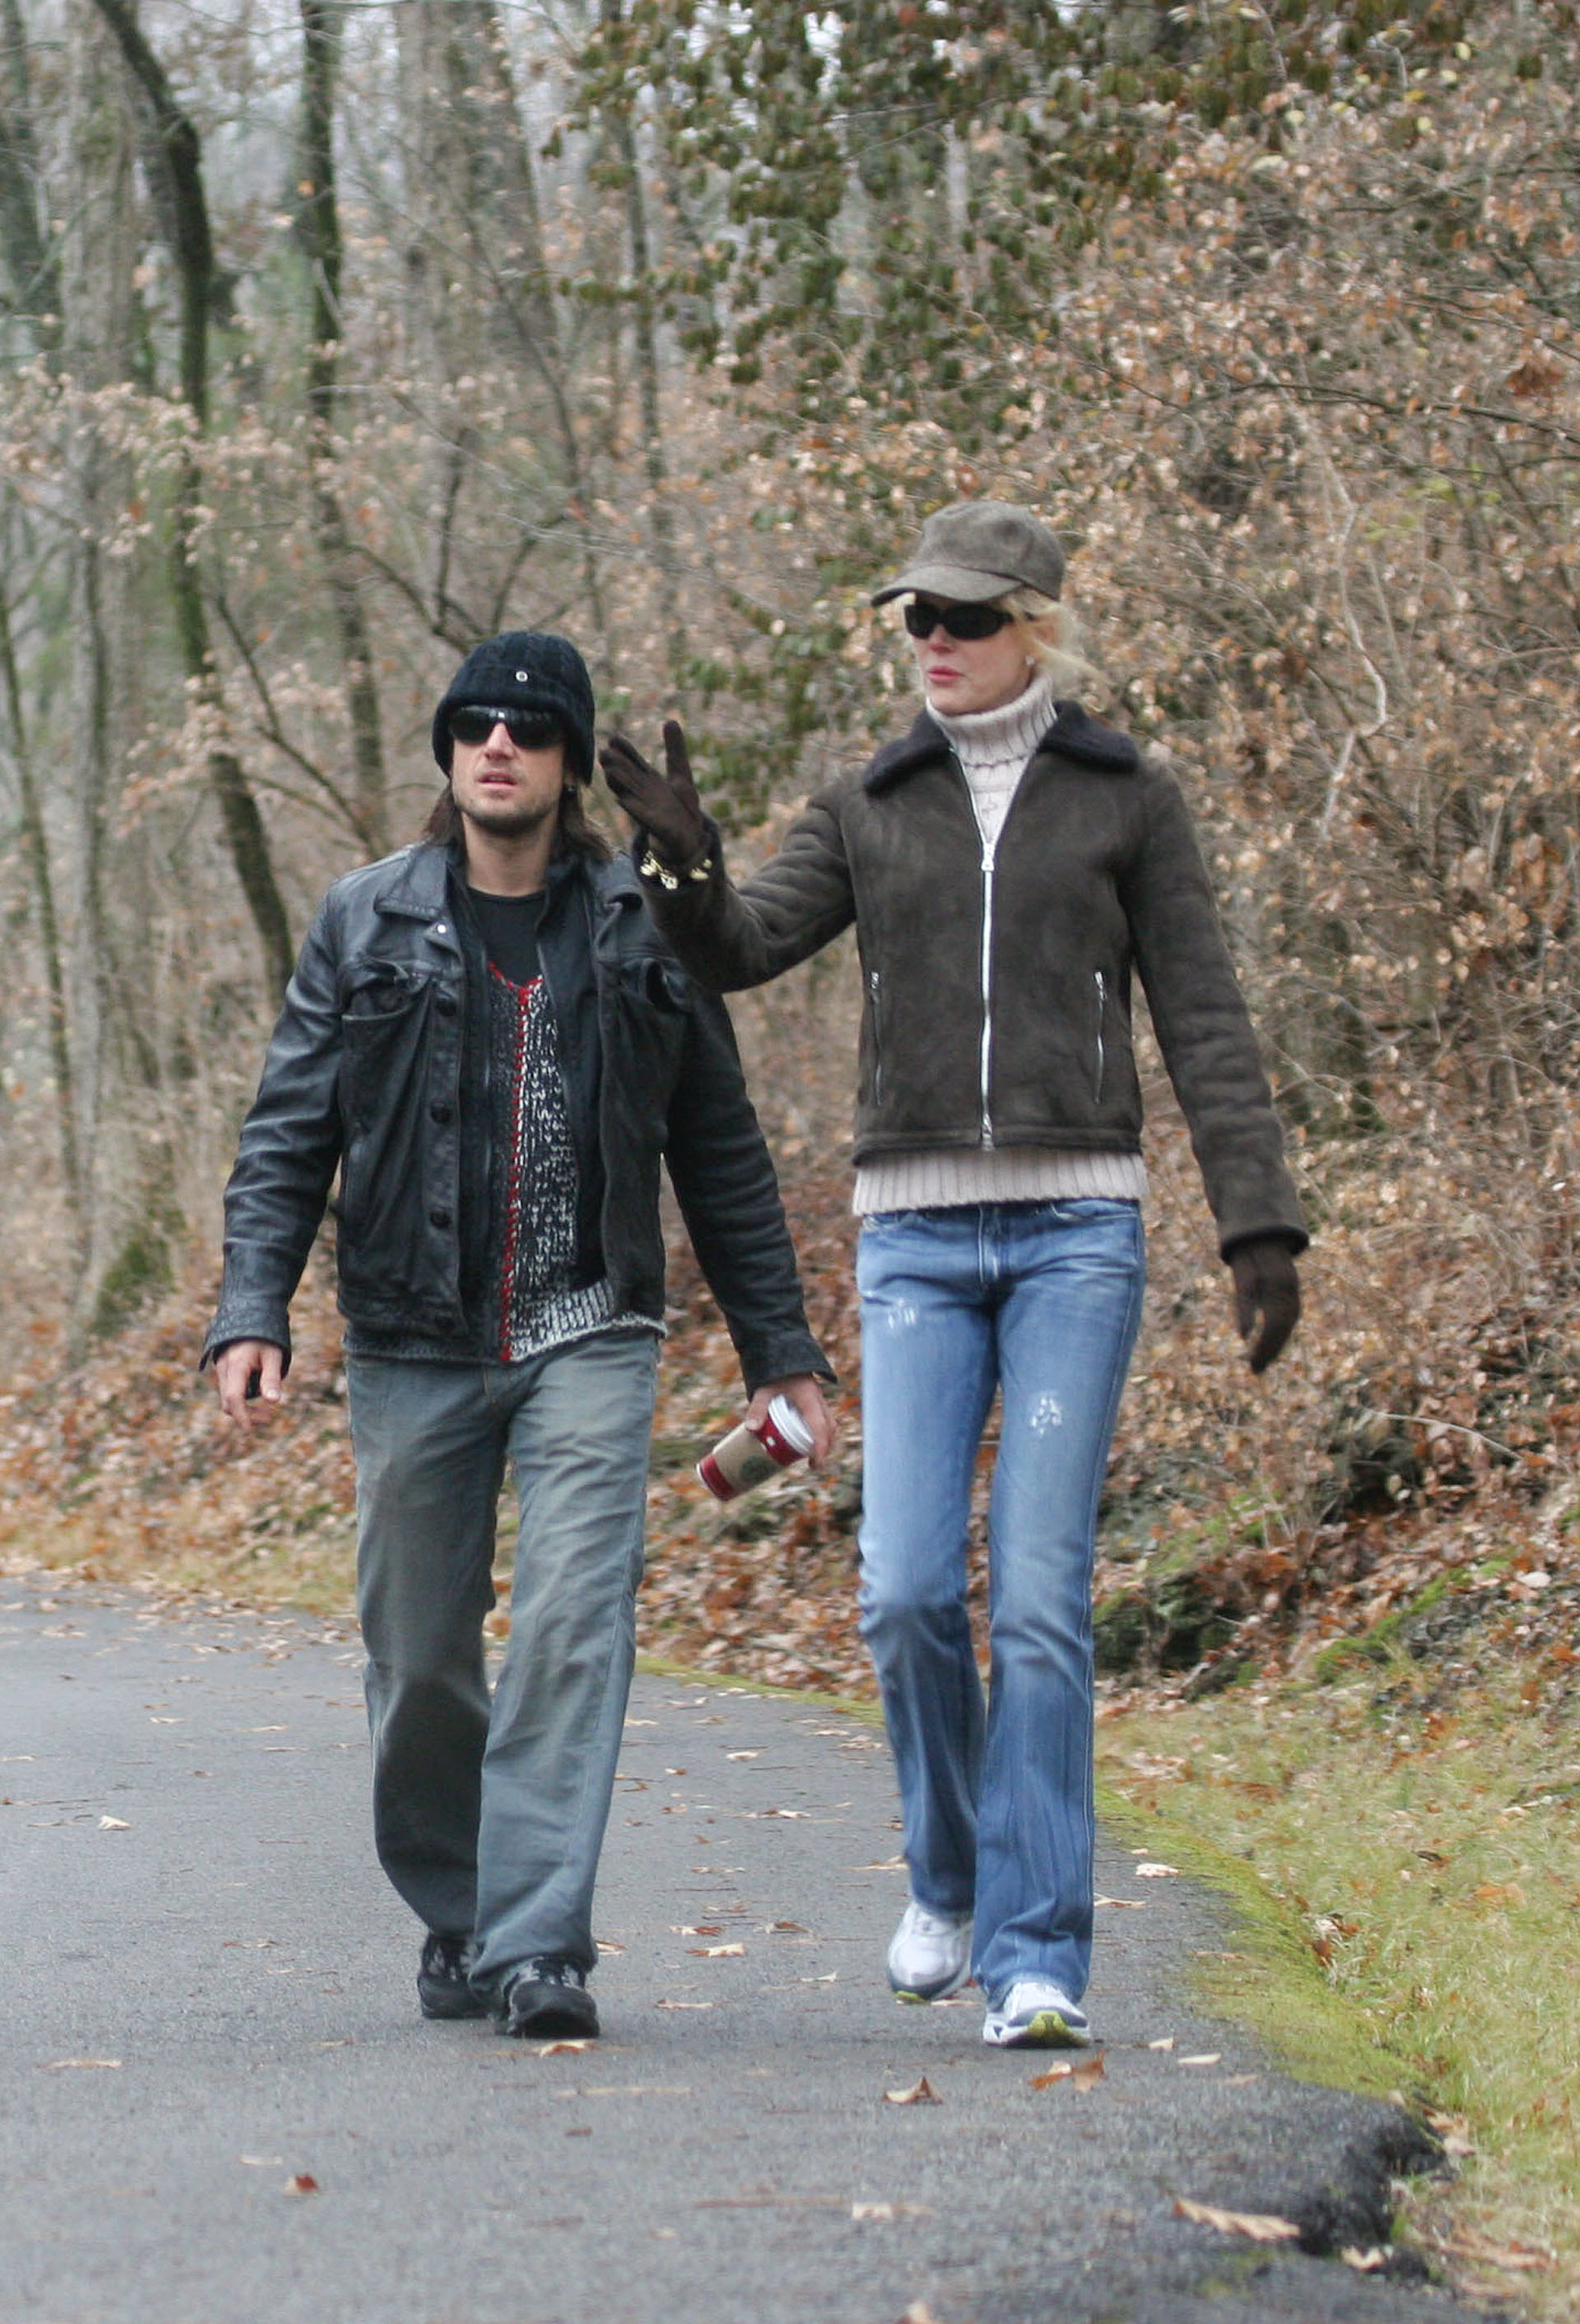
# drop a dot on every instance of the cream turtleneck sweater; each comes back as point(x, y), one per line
point(993, 747)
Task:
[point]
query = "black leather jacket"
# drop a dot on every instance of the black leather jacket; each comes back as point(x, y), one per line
point(377, 1068)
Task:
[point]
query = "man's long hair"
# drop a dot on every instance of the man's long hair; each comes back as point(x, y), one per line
point(575, 836)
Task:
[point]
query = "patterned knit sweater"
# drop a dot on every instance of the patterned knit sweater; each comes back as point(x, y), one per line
point(532, 1303)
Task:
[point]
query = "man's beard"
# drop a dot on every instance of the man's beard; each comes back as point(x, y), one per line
point(512, 822)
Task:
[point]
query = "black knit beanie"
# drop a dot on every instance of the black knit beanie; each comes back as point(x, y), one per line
point(525, 670)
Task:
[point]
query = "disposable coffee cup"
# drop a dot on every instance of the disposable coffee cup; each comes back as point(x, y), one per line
point(749, 1456)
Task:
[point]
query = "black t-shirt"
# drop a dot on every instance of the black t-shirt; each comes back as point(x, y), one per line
point(509, 924)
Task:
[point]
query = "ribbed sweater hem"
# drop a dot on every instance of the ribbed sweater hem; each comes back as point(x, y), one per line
point(940, 1180)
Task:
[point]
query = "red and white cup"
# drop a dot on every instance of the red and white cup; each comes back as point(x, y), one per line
point(749, 1456)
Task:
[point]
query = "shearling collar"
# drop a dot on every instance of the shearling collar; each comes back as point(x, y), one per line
point(1072, 735)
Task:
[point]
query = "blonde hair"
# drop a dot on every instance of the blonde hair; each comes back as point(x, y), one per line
point(1050, 635)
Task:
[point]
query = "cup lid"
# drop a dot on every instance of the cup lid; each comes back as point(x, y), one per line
point(788, 1423)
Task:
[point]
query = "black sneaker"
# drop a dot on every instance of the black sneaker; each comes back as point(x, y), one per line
point(546, 1996)
point(442, 1978)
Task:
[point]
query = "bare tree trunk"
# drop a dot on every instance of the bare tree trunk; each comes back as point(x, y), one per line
point(98, 256)
point(174, 159)
point(319, 233)
point(29, 256)
point(32, 263)
point(477, 251)
point(36, 840)
point(655, 467)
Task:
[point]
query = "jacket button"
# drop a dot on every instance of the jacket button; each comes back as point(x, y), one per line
point(438, 1218)
point(444, 1006)
point(442, 1113)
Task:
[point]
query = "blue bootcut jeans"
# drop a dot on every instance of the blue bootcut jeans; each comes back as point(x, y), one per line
point(489, 1813)
point(1040, 1301)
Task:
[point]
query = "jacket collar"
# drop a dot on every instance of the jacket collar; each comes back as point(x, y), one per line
point(415, 886)
point(1072, 735)
point(418, 883)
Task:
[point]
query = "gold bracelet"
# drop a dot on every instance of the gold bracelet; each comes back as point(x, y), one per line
point(650, 868)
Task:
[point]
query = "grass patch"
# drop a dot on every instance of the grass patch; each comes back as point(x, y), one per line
point(1409, 1878)
point(1268, 1977)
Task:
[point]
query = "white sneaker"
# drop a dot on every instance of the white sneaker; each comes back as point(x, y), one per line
point(1037, 2014)
point(929, 1954)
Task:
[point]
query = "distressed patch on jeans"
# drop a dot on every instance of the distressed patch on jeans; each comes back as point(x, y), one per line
point(1046, 1413)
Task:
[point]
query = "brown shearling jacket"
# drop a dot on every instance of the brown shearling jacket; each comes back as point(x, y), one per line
point(997, 1001)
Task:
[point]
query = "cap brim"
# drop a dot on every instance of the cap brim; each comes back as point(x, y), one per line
point(966, 584)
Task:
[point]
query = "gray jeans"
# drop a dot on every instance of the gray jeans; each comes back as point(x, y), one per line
point(488, 1815)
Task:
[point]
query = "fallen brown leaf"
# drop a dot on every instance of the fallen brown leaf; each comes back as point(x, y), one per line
point(1260, 2225)
point(1454, 2130)
point(64, 2065)
point(717, 1952)
point(301, 2182)
point(1366, 2263)
point(1084, 2077)
point(921, 2093)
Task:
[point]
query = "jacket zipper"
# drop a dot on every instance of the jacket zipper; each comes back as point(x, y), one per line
point(987, 881)
point(1101, 983)
point(874, 988)
point(985, 1063)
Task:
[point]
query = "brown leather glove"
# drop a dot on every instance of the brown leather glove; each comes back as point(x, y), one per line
point(1266, 1285)
point(666, 806)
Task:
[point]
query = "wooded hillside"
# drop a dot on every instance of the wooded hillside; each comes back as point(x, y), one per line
point(337, 337)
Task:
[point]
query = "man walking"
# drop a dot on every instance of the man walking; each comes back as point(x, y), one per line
point(489, 1040)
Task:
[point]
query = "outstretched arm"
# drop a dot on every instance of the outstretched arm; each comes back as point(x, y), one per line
point(728, 937)
point(666, 806)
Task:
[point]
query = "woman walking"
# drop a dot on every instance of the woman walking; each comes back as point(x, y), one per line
point(1008, 864)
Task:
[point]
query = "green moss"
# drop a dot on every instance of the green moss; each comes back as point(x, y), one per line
point(1268, 1976)
point(1387, 1638)
point(141, 1270)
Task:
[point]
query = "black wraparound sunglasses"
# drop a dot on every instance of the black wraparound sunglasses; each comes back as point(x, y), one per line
point(528, 730)
point(923, 615)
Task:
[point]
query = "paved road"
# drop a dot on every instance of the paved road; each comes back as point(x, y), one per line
point(210, 1998)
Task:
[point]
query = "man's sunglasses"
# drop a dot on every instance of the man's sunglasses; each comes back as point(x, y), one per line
point(528, 730)
point(923, 615)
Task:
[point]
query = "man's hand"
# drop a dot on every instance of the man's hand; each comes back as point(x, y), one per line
point(666, 806)
point(248, 1374)
point(1266, 1285)
point(806, 1393)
